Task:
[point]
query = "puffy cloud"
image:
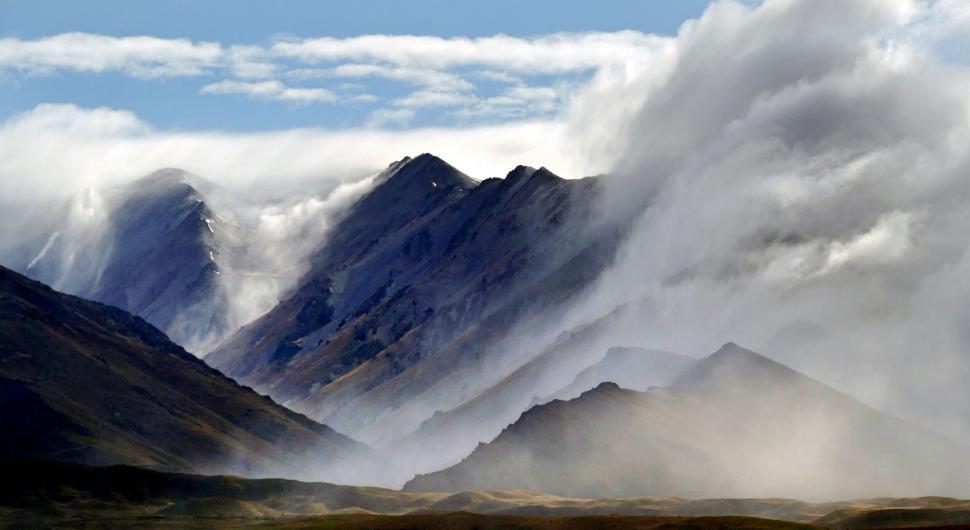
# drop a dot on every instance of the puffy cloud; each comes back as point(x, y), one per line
point(273, 90)
point(139, 56)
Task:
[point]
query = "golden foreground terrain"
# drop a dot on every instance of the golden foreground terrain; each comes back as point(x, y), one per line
point(44, 494)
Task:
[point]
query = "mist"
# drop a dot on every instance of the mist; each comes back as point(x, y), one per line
point(790, 175)
point(801, 172)
point(275, 193)
point(794, 178)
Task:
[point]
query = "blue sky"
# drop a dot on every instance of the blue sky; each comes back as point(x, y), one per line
point(480, 91)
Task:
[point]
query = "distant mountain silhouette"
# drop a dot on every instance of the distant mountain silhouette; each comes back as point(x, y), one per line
point(737, 424)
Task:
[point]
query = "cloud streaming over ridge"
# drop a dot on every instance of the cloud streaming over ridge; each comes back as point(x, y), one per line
point(797, 169)
point(801, 167)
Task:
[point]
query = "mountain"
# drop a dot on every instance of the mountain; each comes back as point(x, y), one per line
point(86, 382)
point(153, 248)
point(418, 283)
point(736, 424)
point(632, 368)
point(452, 434)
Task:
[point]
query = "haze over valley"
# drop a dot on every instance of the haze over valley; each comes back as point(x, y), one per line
point(700, 272)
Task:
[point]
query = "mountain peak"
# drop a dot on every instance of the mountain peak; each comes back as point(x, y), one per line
point(165, 175)
point(520, 173)
point(732, 352)
point(604, 388)
point(529, 176)
point(417, 180)
point(424, 172)
point(734, 365)
point(731, 348)
point(167, 181)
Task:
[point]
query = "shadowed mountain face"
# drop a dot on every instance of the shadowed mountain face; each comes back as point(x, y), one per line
point(86, 382)
point(417, 282)
point(153, 249)
point(736, 424)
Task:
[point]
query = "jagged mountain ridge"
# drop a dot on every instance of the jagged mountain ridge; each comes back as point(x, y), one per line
point(86, 382)
point(153, 248)
point(736, 424)
point(419, 278)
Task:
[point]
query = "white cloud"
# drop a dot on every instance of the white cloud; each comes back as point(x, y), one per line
point(414, 59)
point(54, 150)
point(528, 93)
point(432, 98)
point(501, 77)
point(558, 53)
point(249, 62)
point(417, 76)
point(779, 184)
point(272, 90)
point(140, 56)
point(362, 98)
point(393, 117)
point(441, 66)
point(70, 120)
point(513, 103)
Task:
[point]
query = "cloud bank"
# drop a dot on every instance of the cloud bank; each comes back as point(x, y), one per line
point(801, 168)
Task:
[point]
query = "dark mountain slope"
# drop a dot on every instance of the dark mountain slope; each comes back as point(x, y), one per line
point(737, 424)
point(163, 268)
point(351, 271)
point(420, 278)
point(86, 382)
point(511, 281)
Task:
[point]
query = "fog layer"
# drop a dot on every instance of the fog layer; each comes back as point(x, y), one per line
point(802, 167)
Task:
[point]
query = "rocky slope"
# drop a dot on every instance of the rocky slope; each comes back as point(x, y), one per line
point(736, 424)
point(85, 382)
point(153, 248)
point(417, 284)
